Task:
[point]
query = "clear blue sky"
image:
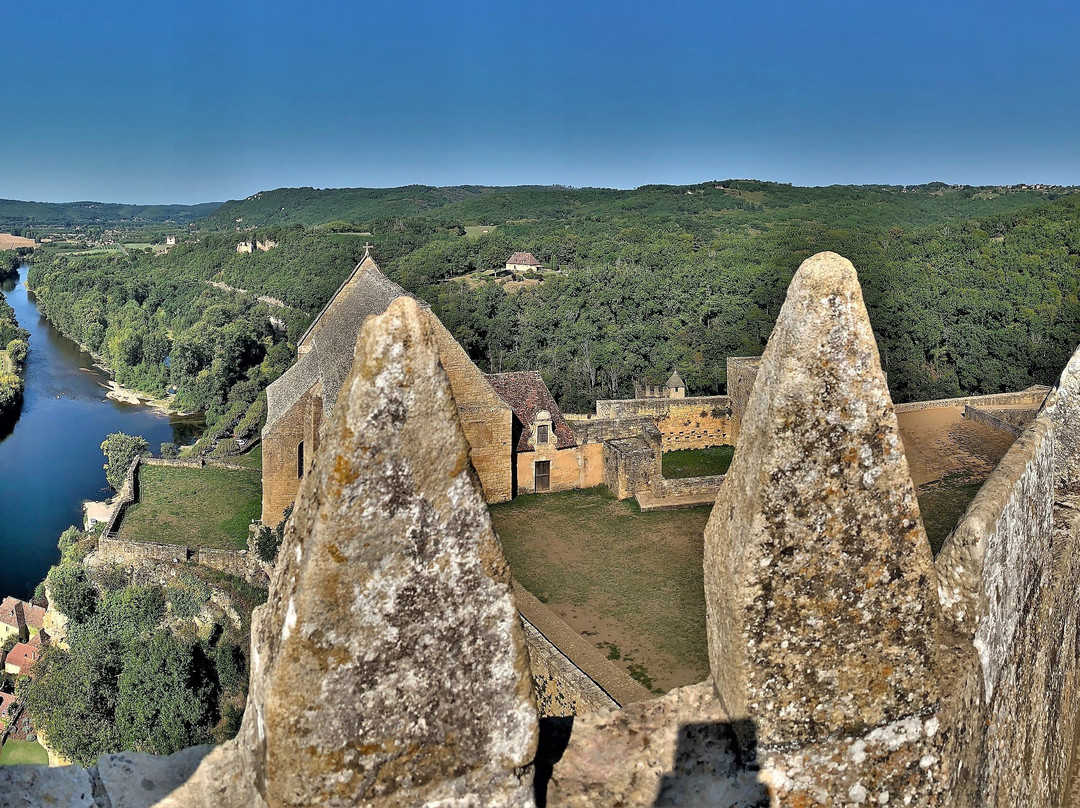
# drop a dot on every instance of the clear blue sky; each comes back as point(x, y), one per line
point(198, 100)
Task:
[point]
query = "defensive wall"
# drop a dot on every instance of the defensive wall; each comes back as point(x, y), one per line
point(990, 419)
point(698, 422)
point(570, 677)
point(114, 550)
point(1033, 396)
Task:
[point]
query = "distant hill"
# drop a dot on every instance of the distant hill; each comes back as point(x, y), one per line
point(18, 215)
point(470, 205)
point(315, 206)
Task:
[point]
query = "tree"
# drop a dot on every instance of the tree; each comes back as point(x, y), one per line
point(120, 449)
point(72, 592)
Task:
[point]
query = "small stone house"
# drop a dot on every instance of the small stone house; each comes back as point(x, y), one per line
point(522, 262)
point(245, 247)
point(21, 659)
point(547, 455)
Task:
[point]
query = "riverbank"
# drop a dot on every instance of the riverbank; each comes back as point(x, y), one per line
point(117, 392)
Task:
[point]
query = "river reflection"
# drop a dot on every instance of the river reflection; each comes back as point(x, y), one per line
point(50, 455)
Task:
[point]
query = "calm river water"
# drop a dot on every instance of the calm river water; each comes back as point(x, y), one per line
point(50, 455)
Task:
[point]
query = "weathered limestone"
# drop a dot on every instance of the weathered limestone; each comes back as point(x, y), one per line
point(823, 616)
point(679, 749)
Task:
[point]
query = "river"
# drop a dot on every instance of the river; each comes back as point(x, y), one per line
point(50, 454)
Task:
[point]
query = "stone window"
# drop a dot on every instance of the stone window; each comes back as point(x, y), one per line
point(300, 460)
point(542, 433)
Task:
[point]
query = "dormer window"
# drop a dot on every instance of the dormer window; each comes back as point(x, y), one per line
point(542, 428)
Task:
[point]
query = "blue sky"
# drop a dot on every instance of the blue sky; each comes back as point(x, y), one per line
point(194, 101)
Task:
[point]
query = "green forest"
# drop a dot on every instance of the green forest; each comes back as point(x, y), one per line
point(136, 671)
point(18, 217)
point(970, 290)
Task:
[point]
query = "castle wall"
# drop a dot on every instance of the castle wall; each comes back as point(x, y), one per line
point(1033, 396)
point(684, 423)
point(662, 487)
point(486, 419)
point(985, 417)
point(1007, 578)
point(741, 373)
point(630, 465)
point(280, 481)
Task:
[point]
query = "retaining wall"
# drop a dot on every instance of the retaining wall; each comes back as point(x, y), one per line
point(1033, 395)
point(570, 676)
point(697, 422)
point(663, 487)
point(984, 417)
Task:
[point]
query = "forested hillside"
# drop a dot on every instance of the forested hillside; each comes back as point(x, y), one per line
point(312, 206)
point(970, 290)
point(18, 217)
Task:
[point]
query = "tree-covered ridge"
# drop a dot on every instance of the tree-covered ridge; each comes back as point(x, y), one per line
point(967, 294)
point(161, 333)
point(313, 206)
point(16, 215)
point(137, 671)
point(478, 205)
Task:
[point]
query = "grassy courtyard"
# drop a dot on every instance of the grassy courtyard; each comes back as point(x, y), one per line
point(23, 752)
point(207, 507)
point(629, 581)
point(697, 462)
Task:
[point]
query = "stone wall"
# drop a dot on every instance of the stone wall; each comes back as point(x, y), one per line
point(280, 481)
point(1032, 396)
point(590, 429)
point(684, 423)
point(570, 676)
point(663, 487)
point(985, 417)
point(631, 464)
point(486, 419)
point(741, 373)
point(111, 550)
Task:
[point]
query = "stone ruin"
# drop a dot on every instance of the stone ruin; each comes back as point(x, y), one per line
point(849, 667)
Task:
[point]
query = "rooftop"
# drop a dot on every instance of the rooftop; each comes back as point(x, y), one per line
point(22, 656)
point(524, 259)
point(527, 394)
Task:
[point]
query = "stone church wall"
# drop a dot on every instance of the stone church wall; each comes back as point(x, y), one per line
point(280, 480)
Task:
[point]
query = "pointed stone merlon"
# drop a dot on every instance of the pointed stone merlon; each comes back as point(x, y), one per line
point(389, 665)
point(819, 581)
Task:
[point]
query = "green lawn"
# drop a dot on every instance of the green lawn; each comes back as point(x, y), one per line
point(942, 503)
point(23, 752)
point(207, 507)
point(252, 459)
point(697, 462)
point(629, 581)
point(473, 231)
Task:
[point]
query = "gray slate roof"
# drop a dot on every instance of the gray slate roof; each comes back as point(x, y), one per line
point(332, 340)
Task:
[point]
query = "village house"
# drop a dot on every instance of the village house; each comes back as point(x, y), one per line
point(522, 262)
point(21, 659)
point(20, 619)
point(170, 241)
point(245, 247)
point(6, 702)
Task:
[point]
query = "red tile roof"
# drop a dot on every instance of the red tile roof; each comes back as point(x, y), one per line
point(523, 258)
point(6, 700)
point(22, 656)
point(527, 394)
point(10, 613)
point(35, 615)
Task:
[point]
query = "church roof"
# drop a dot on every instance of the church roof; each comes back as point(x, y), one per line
point(527, 394)
point(523, 258)
point(675, 380)
point(327, 346)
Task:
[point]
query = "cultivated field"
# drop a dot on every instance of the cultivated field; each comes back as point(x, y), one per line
point(10, 242)
point(629, 581)
point(207, 507)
